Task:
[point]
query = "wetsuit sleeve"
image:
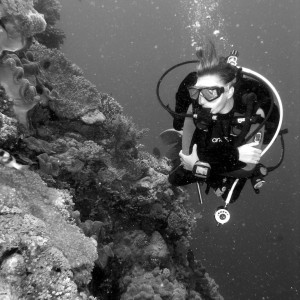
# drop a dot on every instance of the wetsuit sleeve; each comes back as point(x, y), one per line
point(183, 99)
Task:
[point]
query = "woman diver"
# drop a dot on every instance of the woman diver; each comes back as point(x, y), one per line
point(214, 142)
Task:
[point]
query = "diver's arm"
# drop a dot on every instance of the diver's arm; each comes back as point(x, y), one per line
point(188, 131)
point(218, 161)
point(250, 153)
point(225, 157)
point(192, 163)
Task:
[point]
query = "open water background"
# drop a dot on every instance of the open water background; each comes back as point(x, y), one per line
point(124, 46)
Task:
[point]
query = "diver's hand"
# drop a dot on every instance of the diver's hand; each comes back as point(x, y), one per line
point(249, 154)
point(188, 161)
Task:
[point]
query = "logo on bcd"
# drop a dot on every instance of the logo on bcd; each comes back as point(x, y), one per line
point(220, 140)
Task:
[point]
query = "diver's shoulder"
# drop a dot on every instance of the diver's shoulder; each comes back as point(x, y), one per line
point(249, 85)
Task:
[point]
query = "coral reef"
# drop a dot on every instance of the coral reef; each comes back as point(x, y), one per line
point(39, 246)
point(154, 274)
point(76, 97)
point(95, 215)
point(157, 284)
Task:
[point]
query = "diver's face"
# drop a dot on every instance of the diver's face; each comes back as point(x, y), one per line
point(224, 103)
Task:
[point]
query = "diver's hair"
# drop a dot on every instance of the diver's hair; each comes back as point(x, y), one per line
point(210, 63)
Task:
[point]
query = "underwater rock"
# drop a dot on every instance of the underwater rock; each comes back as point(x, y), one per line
point(93, 117)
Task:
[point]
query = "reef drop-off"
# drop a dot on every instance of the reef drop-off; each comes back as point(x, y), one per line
point(91, 215)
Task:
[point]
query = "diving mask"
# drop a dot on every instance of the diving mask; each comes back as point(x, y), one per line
point(208, 93)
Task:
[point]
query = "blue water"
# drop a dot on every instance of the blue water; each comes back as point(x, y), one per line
point(124, 46)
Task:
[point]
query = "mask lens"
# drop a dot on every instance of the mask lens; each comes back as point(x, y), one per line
point(194, 93)
point(210, 94)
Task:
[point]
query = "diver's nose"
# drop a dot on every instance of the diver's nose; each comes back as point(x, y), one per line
point(201, 100)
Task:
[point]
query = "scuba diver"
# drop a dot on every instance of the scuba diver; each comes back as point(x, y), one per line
point(223, 118)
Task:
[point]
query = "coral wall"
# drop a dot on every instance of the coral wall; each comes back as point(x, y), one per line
point(85, 212)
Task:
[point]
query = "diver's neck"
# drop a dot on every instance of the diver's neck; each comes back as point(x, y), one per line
point(228, 107)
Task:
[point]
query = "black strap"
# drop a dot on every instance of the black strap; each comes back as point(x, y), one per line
point(250, 101)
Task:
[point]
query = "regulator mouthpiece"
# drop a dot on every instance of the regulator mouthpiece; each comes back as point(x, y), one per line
point(222, 215)
point(233, 57)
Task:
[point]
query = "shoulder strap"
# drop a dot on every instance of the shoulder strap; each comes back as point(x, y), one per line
point(250, 100)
